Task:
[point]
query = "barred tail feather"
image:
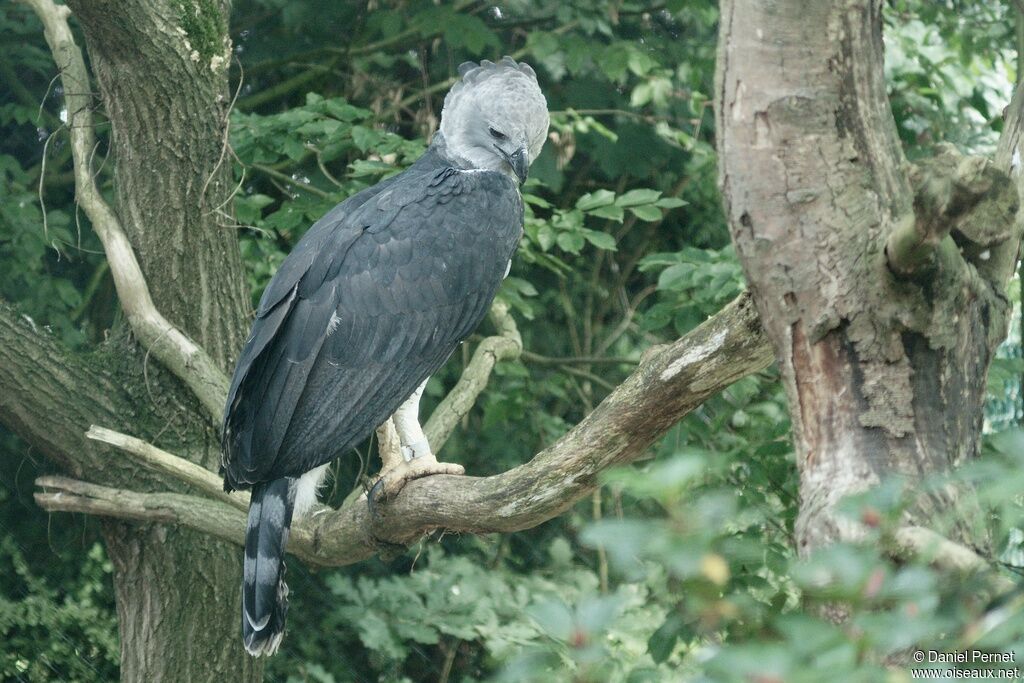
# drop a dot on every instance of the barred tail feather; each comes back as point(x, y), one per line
point(264, 592)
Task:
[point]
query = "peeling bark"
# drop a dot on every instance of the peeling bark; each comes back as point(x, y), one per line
point(884, 360)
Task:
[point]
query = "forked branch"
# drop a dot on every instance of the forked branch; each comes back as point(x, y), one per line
point(169, 345)
point(668, 383)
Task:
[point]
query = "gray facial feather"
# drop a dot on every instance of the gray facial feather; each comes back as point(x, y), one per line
point(496, 111)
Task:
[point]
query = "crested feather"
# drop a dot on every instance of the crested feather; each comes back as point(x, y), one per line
point(505, 92)
point(471, 72)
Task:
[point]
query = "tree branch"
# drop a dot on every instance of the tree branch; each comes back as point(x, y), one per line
point(924, 543)
point(150, 456)
point(1008, 159)
point(670, 382)
point(957, 193)
point(49, 395)
point(506, 345)
point(169, 345)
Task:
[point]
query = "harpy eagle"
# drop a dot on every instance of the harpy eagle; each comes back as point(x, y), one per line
point(373, 300)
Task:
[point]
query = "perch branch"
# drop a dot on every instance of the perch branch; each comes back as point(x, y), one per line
point(169, 345)
point(506, 345)
point(669, 382)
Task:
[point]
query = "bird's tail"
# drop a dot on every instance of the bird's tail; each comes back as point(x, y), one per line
point(264, 592)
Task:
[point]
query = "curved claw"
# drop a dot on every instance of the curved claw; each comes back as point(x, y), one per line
point(392, 481)
point(371, 496)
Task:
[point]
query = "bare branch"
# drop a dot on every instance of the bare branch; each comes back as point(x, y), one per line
point(670, 382)
point(169, 345)
point(213, 517)
point(160, 460)
point(923, 543)
point(506, 345)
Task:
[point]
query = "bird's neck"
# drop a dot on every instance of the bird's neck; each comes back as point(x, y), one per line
point(441, 148)
point(447, 156)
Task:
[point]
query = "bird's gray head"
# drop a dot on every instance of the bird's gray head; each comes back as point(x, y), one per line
point(496, 117)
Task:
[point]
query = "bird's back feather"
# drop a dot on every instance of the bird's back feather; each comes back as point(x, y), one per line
point(370, 303)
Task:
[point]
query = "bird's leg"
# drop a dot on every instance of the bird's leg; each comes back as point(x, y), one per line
point(417, 458)
point(388, 446)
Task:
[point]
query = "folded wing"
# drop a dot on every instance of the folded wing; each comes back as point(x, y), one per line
point(370, 303)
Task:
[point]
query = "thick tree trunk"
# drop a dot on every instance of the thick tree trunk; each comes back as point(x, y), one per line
point(883, 353)
point(161, 68)
point(177, 591)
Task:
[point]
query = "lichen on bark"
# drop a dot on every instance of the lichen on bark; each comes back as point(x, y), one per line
point(205, 27)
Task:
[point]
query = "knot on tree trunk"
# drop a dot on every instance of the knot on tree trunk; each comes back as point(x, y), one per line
point(961, 203)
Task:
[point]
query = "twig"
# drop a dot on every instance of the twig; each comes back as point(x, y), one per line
point(160, 460)
point(323, 167)
point(284, 178)
point(589, 376)
point(506, 345)
point(225, 142)
point(578, 360)
point(286, 86)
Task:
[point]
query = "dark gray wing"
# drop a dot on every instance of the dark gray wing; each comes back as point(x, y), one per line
point(361, 313)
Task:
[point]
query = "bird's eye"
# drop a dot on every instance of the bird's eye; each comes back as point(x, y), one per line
point(497, 134)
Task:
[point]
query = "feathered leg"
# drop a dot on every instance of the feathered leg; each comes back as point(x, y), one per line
point(417, 458)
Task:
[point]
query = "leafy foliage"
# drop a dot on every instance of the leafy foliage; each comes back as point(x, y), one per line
point(51, 634)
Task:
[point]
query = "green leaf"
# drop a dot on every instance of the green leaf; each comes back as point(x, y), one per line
point(595, 614)
point(554, 617)
point(647, 212)
point(571, 242)
point(611, 212)
point(364, 137)
point(545, 237)
point(601, 240)
point(594, 200)
point(642, 94)
point(670, 203)
point(663, 641)
point(675, 277)
point(638, 197)
point(536, 201)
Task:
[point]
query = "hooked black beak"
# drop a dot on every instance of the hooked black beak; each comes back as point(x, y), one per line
point(519, 162)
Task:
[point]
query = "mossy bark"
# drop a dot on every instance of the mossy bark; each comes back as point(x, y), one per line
point(161, 70)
